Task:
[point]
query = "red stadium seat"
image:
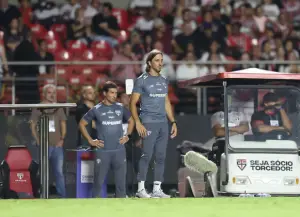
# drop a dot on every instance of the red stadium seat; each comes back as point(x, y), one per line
point(38, 30)
point(76, 47)
point(102, 49)
point(122, 17)
point(20, 171)
point(61, 94)
point(88, 55)
point(54, 46)
point(63, 72)
point(46, 79)
point(51, 35)
point(63, 55)
point(103, 67)
point(76, 79)
point(60, 29)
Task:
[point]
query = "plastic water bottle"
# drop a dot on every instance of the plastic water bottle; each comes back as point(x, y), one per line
point(262, 195)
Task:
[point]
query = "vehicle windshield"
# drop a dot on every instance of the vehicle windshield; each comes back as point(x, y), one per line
point(264, 117)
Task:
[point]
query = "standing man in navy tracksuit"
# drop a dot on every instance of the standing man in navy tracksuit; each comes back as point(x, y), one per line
point(152, 125)
point(110, 151)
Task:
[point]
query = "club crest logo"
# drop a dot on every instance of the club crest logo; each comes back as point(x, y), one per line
point(118, 112)
point(20, 175)
point(241, 163)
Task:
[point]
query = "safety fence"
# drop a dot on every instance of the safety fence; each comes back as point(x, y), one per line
point(26, 79)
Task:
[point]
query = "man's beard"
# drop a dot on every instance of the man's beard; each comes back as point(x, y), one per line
point(157, 70)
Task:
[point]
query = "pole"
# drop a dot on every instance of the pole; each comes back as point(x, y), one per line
point(44, 147)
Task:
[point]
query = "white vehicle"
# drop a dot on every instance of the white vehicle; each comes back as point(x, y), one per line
point(252, 164)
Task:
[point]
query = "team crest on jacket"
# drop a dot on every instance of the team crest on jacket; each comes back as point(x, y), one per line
point(118, 112)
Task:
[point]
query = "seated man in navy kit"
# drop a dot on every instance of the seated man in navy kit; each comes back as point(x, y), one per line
point(272, 120)
point(110, 151)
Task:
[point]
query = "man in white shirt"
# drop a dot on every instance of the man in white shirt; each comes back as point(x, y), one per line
point(89, 11)
point(188, 70)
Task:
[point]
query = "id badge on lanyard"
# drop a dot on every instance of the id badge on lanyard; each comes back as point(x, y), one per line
point(51, 125)
point(274, 123)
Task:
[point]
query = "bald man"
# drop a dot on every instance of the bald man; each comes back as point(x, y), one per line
point(83, 106)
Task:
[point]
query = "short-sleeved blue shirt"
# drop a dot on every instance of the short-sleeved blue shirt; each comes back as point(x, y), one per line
point(109, 120)
point(153, 90)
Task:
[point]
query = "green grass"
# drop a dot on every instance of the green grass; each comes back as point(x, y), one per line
point(206, 207)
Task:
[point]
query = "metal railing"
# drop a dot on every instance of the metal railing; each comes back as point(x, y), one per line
point(200, 95)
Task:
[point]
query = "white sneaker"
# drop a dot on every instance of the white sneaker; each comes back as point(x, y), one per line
point(142, 194)
point(198, 163)
point(159, 194)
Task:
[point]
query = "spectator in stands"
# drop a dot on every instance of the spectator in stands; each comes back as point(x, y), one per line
point(3, 63)
point(283, 25)
point(260, 19)
point(148, 43)
point(280, 56)
point(181, 41)
point(267, 54)
point(7, 13)
point(206, 33)
point(221, 21)
point(163, 34)
point(292, 9)
point(188, 70)
point(270, 10)
point(167, 69)
point(269, 36)
point(79, 29)
point(225, 8)
point(238, 39)
point(240, 3)
point(293, 68)
point(26, 12)
point(137, 45)
point(83, 106)
point(45, 56)
point(97, 5)
point(145, 23)
point(212, 69)
point(214, 50)
point(248, 23)
point(289, 47)
point(183, 16)
point(125, 71)
point(213, 55)
point(105, 26)
point(26, 91)
point(57, 134)
point(67, 9)
point(13, 37)
point(89, 11)
point(45, 12)
point(245, 57)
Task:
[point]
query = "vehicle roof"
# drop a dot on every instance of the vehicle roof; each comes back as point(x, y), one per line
point(248, 76)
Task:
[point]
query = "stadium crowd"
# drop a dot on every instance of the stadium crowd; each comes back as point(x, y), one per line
point(190, 30)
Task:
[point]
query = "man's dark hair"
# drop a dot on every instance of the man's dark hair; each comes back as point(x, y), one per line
point(40, 41)
point(108, 5)
point(150, 57)
point(109, 85)
point(121, 94)
point(270, 97)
